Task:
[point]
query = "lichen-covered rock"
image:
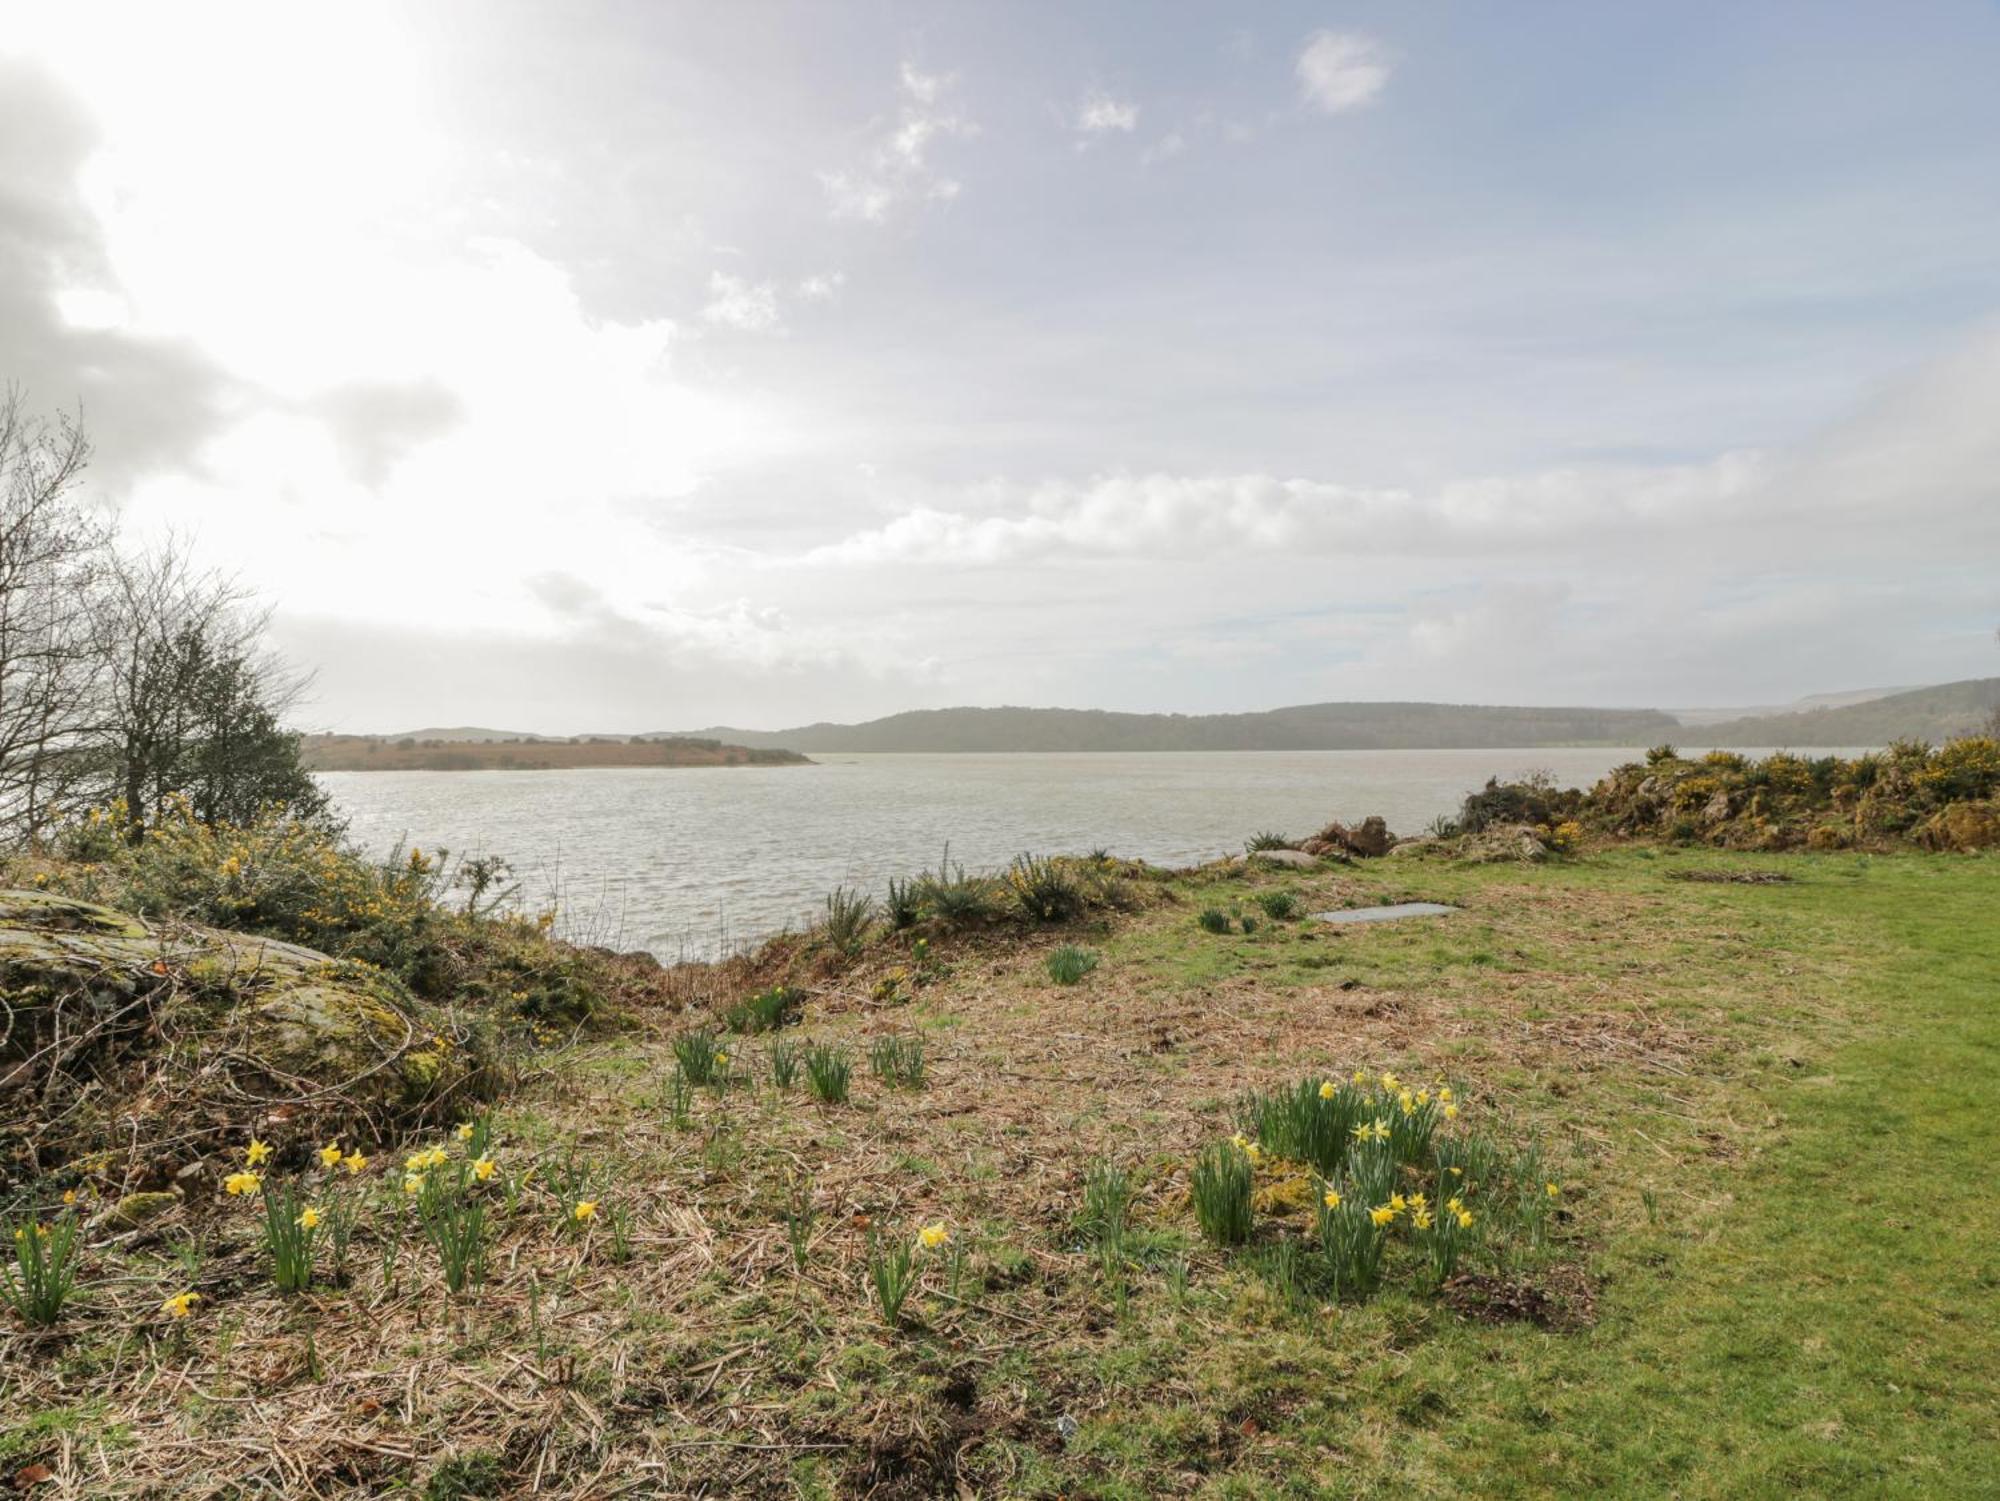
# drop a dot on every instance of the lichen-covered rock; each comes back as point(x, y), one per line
point(124, 1030)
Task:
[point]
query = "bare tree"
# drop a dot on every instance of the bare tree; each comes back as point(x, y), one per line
point(52, 559)
point(189, 706)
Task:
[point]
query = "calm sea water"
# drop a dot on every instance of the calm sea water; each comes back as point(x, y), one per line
point(692, 860)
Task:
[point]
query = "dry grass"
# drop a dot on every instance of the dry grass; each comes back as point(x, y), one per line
point(706, 1365)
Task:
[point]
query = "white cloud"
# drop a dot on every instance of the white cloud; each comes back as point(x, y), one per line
point(897, 167)
point(1166, 148)
point(1339, 71)
point(1100, 113)
point(821, 286)
point(734, 302)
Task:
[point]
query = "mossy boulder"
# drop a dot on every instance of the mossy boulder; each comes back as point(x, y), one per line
point(125, 1030)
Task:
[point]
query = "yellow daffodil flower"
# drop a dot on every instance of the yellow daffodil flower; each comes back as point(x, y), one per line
point(1327, 1090)
point(1444, 1093)
point(256, 1152)
point(465, 1131)
point(1465, 1219)
point(330, 1155)
point(69, 1196)
point(309, 1219)
point(933, 1236)
point(180, 1305)
point(484, 1168)
point(413, 1183)
point(1397, 1203)
point(1360, 1076)
point(585, 1211)
point(239, 1184)
point(1451, 1112)
point(1381, 1214)
point(1421, 1219)
point(1391, 1083)
point(354, 1162)
point(1332, 1198)
point(1555, 1190)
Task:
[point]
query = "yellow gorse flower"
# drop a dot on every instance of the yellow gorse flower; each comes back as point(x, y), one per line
point(933, 1236)
point(256, 1152)
point(330, 1155)
point(238, 1184)
point(180, 1305)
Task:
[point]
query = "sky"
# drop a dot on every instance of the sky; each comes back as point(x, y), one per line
point(636, 366)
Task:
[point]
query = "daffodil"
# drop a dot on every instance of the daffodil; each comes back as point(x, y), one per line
point(413, 1183)
point(256, 1152)
point(330, 1155)
point(1397, 1203)
point(1444, 1093)
point(180, 1305)
point(239, 1184)
point(1327, 1090)
point(1555, 1190)
point(69, 1196)
point(484, 1168)
point(1408, 1103)
point(1455, 1204)
point(1360, 1076)
point(1363, 1132)
point(1421, 1218)
point(465, 1131)
point(354, 1162)
point(933, 1236)
point(309, 1218)
point(1451, 1112)
point(1381, 1130)
point(1465, 1219)
point(1391, 1083)
point(1382, 1214)
point(585, 1211)
point(1332, 1198)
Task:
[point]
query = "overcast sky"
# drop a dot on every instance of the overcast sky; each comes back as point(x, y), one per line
point(646, 365)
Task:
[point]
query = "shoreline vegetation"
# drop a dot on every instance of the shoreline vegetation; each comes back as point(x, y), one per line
point(1083, 1177)
point(382, 753)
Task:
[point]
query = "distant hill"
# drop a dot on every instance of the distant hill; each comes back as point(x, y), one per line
point(1357, 726)
point(1698, 717)
point(407, 753)
point(1933, 714)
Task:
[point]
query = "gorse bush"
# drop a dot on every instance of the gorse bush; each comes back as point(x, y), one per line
point(1069, 964)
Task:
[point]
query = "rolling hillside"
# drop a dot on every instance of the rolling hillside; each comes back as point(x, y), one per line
point(1932, 714)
